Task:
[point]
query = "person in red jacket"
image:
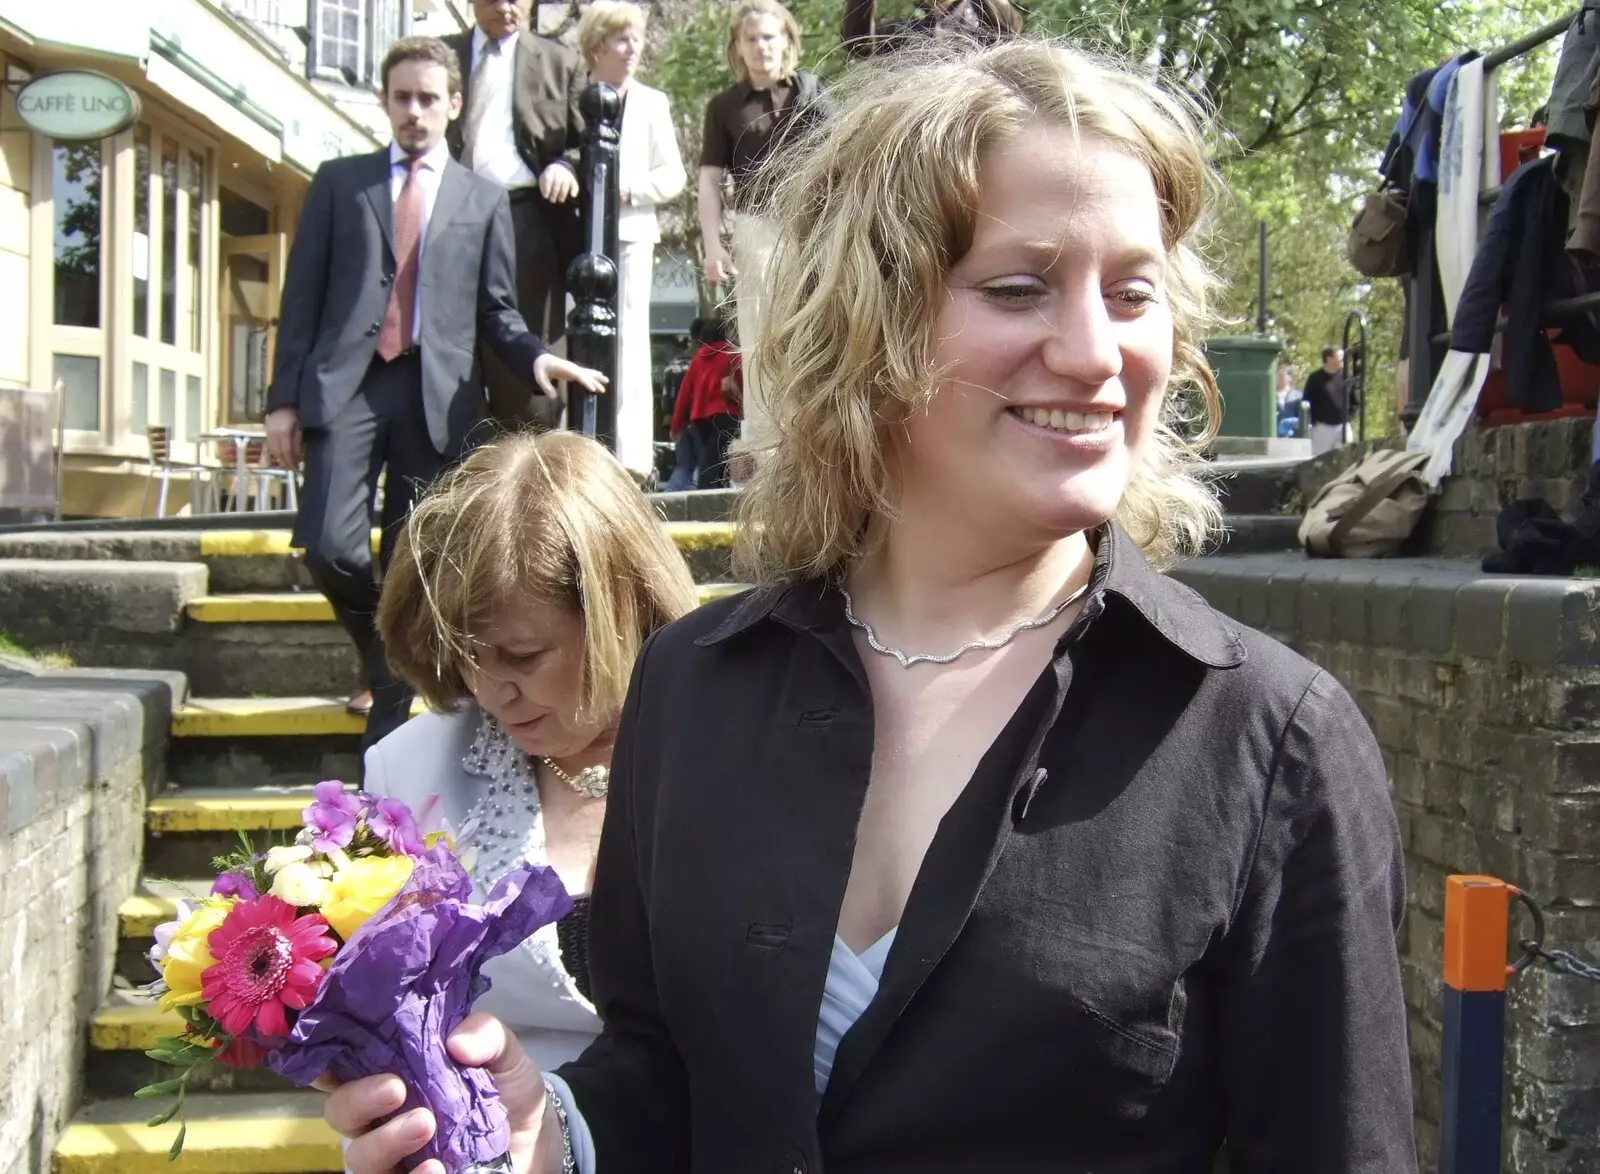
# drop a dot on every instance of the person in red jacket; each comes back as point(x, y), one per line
point(708, 405)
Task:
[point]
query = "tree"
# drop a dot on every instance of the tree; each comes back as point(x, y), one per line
point(1303, 95)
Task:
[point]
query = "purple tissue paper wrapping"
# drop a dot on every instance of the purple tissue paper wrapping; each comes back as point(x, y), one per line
point(405, 981)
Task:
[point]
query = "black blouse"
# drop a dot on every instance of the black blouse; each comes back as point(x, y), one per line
point(1160, 919)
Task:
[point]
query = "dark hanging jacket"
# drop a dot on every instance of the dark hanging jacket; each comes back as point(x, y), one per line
point(1522, 263)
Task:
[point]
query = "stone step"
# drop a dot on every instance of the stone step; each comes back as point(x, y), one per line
point(267, 717)
point(299, 607)
point(242, 1133)
point(127, 1026)
point(186, 830)
point(154, 904)
point(264, 560)
point(282, 643)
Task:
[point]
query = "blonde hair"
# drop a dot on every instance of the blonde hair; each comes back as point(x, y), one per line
point(553, 518)
point(873, 211)
point(742, 12)
point(604, 19)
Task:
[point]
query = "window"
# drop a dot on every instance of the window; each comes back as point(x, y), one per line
point(140, 415)
point(193, 407)
point(169, 242)
point(75, 190)
point(167, 288)
point(350, 38)
point(338, 38)
point(79, 376)
point(141, 231)
point(169, 399)
point(194, 184)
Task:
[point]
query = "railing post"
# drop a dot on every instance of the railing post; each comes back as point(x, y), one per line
point(1355, 365)
point(592, 277)
point(1476, 909)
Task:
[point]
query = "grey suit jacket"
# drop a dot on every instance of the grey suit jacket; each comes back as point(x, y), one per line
point(549, 81)
point(336, 292)
point(548, 126)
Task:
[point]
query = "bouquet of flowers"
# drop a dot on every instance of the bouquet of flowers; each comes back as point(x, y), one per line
point(353, 950)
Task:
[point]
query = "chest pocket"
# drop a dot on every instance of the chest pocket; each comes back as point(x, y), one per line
point(1113, 1014)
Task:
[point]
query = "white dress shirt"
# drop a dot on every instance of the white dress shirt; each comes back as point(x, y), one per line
point(429, 176)
point(494, 152)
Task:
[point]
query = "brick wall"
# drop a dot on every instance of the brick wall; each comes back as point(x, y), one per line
point(79, 751)
point(1485, 695)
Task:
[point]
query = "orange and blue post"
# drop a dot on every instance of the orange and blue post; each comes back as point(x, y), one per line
point(1476, 914)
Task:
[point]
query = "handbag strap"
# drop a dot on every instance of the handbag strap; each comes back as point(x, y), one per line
point(1377, 492)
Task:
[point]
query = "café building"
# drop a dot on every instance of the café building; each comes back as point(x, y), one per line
point(153, 159)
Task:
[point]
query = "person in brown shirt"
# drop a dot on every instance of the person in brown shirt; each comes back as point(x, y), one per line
point(770, 101)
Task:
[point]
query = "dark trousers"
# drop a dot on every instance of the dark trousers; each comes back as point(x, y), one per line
point(383, 427)
point(711, 438)
point(515, 401)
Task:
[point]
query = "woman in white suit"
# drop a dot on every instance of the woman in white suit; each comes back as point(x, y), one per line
point(650, 172)
point(520, 593)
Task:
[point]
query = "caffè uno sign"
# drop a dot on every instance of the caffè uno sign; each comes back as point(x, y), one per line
point(77, 104)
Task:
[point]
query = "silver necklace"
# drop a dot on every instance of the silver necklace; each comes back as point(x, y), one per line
point(908, 659)
point(592, 782)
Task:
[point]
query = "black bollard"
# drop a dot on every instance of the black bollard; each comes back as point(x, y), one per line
point(592, 277)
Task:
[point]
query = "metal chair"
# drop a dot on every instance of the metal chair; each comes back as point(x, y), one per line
point(267, 475)
point(202, 483)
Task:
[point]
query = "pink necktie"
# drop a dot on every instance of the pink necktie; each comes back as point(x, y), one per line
point(398, 327)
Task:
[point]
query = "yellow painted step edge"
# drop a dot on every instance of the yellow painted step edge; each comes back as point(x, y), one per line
point(138, 916)
point(269, 717)
point(275, 543)
point(216, 1145)
point(312, 608)
point(131, 1027)
point(223, 814)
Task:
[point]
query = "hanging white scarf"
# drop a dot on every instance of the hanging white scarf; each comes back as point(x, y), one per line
point(1469, 161)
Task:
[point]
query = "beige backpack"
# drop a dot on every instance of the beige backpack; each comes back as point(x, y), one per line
point(1369, 509)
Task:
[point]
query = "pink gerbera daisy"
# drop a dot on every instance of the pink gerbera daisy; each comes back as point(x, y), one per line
point(266, 966)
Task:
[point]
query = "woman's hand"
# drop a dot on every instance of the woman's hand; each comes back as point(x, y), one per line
point(480, 1042)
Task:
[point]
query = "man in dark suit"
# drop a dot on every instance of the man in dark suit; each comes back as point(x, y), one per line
point(521, 128)
point(401, 264)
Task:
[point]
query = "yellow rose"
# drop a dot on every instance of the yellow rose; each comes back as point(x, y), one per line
point(188, 954)
point(362, 887)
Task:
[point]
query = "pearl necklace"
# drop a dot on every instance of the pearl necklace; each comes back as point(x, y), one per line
point(908, 659)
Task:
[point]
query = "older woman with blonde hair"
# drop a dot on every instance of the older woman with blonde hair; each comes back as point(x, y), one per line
point(1011, 853)
point(521, 590)
point(650, 172)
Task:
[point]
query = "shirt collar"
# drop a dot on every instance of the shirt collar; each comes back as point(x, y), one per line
point(777, 87)
point(480, 40)
point(434, 160)
point(1121, 571)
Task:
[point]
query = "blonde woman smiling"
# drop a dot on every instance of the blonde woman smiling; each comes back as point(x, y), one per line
point(1010, 854)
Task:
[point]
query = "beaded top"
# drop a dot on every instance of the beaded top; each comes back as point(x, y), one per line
point(511, 830)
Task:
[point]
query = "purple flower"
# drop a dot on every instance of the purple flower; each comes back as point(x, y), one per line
point(391, 821)
point(234, 884)
point(332, 815)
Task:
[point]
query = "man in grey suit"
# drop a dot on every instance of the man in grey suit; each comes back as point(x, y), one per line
point(401, 263)
point(521, 127)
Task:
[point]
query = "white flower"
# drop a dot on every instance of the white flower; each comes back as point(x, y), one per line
point(283, 855)
point(167, 930)
point(301, 884)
